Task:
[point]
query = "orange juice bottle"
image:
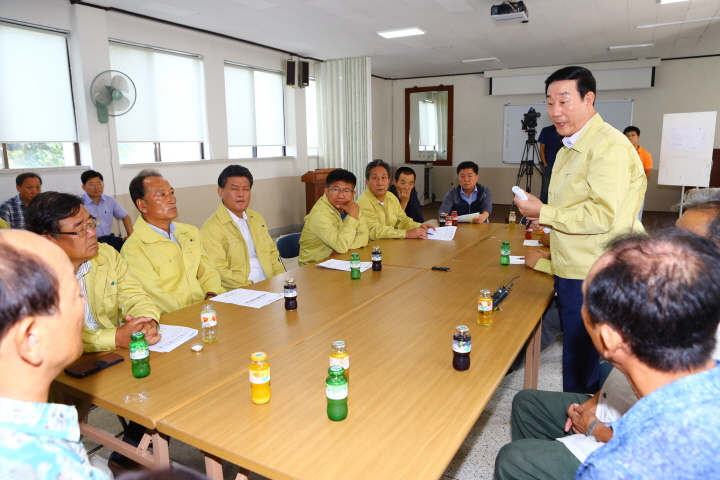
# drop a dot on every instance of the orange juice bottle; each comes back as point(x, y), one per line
point(340, 356)
point(259, 378)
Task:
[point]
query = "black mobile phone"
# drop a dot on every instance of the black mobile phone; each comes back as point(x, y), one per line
point(88, 367)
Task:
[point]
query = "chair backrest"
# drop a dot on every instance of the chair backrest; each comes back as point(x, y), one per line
point(288, 245)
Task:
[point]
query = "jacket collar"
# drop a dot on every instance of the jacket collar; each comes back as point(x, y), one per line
point(148, 235)
point(587, 134)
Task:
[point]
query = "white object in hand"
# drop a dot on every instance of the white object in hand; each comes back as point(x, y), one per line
point(519, 193)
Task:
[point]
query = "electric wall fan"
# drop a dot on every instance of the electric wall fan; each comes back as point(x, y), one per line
point(113, 94)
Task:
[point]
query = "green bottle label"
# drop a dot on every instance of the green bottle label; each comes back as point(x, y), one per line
point(336, 392)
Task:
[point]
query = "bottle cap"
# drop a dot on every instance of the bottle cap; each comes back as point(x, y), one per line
point(336, 370)
point(375, 249)
point(338, 344)
point(289, 280)
point(462, 329)
point(258, 357)
point(137, 335)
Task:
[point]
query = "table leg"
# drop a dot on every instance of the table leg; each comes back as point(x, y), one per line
point(532, 357)
point(213, 467)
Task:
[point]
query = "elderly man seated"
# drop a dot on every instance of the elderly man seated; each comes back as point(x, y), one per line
point(652, 312)
point(40, 323)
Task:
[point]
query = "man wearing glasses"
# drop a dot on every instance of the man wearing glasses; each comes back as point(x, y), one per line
point(113, 294)
point(335, 222)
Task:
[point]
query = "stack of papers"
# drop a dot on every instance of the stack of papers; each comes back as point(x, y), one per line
point(248, 298)
point(517, 260)
point(442, 233)
point(532, 243)
point(343, 265)
point(172, 337)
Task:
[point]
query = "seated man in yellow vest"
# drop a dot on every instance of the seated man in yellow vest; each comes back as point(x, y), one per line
point(167, 257)
point(235, 237)
point(383, 213)
point(335, 223)
point(113, 295)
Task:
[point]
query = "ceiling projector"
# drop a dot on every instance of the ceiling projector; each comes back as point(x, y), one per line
point(509, 12)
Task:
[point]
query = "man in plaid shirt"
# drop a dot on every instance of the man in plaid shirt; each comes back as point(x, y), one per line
point(13, 211)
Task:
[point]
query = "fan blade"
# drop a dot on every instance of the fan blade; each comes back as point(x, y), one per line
point(120, 105)
point(119, 82)
point(102, 96)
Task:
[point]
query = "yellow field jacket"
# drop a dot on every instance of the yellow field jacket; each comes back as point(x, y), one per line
point(596, 191)
point(325, 232)
point(4, 224)
point(174, 276)
point(384, 220)
point(113, 293)
point(227, 249)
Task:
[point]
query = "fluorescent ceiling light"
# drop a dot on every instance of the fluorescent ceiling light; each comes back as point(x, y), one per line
point(678, 23)
point(480, 60)
point(626, 47)
point(403, 32)
point(662, 2)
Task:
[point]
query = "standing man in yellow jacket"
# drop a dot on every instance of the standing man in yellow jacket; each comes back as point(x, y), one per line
point(383, 213)
point(112, 294)
point(335, 222)
point(235, 237)
point(596, 191)
point(167, 257)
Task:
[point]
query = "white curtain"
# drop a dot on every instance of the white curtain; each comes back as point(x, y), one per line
point(440, 100)
point(343, 101)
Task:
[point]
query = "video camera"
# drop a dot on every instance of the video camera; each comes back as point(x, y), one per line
point(529, 121)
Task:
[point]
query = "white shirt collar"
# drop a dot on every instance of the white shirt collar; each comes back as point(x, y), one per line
point(235, 217)
point(570, 141)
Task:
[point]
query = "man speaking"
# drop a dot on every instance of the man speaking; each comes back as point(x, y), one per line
point(596, 191)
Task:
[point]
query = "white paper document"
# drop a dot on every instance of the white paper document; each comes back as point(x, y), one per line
point(467, 218)
point(442, 233)
point(248, 298)
point(532, 243)
point(517, 260)
point(343, 265)
point(172, 337)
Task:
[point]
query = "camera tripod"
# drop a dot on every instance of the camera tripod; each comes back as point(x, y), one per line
point(530, 155)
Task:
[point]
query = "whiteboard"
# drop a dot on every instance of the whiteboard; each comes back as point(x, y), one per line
point(686, 149)
point(618, 113)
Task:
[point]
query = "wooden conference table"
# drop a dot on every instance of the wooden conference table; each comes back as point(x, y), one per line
point(185, 388)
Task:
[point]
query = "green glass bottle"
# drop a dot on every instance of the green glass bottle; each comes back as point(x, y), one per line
point(336, 391)
point(355, 266)
point(505, 253)
point(139, 355)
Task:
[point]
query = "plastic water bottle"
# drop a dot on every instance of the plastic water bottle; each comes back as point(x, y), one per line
point(208, 321)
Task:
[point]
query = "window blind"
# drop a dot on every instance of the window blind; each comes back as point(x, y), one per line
point(169, 106)
point(255, 109)
point(36, 103)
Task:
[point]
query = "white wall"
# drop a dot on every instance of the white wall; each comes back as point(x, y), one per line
point(90, 29)
point(680, 86)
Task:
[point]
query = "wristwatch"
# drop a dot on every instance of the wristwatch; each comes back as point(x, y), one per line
point(591, 428)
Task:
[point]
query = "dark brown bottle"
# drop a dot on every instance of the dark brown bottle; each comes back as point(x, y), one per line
point(376, 259)
point(462, 344)
point(290, 294)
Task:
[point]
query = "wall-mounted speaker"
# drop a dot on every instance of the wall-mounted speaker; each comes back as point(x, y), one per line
point(290, 73)
point(303, 74)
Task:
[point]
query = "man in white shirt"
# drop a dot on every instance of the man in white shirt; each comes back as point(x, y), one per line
point(236, 238)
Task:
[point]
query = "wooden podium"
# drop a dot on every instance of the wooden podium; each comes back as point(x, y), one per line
point(314, 181)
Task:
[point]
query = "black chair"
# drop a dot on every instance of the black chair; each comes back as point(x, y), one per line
point(288, 246)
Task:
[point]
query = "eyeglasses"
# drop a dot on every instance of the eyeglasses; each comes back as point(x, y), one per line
point(336, 190)
point(92, 224)
point(94, 184)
